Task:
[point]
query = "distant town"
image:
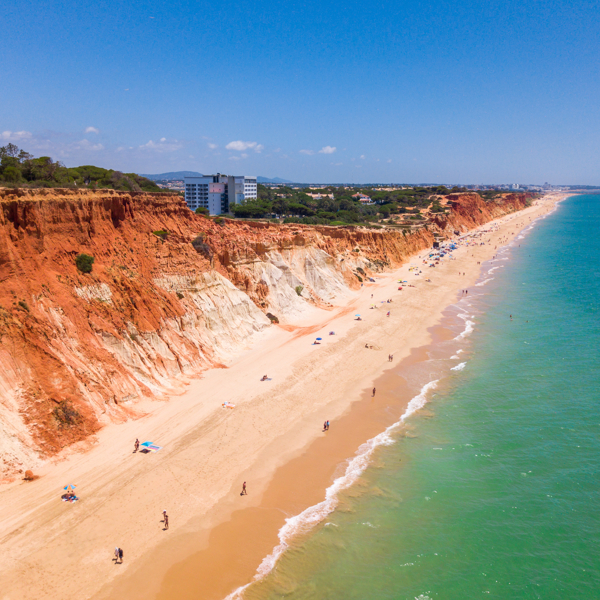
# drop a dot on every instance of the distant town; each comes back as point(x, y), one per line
point(241, 195)
point(178, 185)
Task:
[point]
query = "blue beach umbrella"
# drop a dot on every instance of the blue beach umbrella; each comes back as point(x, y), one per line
point(319, 339)
point(70, 486)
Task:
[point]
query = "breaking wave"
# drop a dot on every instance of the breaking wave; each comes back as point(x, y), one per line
point(484, 282)
point(469, 326)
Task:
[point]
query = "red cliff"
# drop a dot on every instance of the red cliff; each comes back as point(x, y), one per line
point(171, 293)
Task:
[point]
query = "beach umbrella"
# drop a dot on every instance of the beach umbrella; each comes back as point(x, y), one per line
point(319, 339)
point(357, 315)
point(70, 486)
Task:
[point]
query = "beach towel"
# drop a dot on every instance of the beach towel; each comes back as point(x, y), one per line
point(150, 447)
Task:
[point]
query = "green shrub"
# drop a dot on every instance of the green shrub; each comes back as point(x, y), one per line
point(84, 263)
point(24, 305)
point(12, 174)
point(180, 295)
point(299, 289)
point(202, 211)
point(163, 235)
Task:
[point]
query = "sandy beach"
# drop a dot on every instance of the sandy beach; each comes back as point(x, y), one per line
point(273, 439)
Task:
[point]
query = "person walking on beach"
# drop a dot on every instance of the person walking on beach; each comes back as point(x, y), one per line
point(327, 424)
point(165, 519)
point(121, 555)
point(244, 490)
point(136, 445)
point(116, 559)
point(374, 392)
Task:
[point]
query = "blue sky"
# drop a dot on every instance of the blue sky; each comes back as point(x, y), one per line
point(438, 91)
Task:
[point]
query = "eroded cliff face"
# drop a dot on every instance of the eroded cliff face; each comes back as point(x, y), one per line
point(77, 350)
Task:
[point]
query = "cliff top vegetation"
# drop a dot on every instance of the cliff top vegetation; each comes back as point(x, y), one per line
point(18, 168)
point(341, 205)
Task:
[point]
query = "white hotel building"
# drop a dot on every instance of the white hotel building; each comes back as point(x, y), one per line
point(219, 192)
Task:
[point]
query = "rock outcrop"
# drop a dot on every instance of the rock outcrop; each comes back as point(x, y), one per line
point(171, 293)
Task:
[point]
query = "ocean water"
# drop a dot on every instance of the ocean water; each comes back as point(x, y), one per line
point(494, 489)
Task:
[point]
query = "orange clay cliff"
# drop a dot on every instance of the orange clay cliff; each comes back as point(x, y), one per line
point(170, 294)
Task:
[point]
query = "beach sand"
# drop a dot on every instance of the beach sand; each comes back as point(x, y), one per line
point(273, 439)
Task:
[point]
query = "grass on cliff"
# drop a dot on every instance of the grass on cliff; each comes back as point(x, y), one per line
point(66, 415)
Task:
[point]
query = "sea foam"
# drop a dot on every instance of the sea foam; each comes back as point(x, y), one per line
point(469, 327)
point(484, 282)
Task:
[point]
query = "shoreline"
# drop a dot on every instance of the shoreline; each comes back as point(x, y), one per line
point(348, 454)
point(208, 452)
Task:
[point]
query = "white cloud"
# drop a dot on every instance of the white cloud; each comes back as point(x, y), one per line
point(277, 150)
point(91, 130)
point(162, 145)
point(389, 160)
point(309, 152)
point(234, 158)
point(259, 148)
point(244, 155)
point(15, 136)
point(337, 164)
point(327, 150)
point(86, 145)
point(212, 146)
point(362, 156)
point(241, 146)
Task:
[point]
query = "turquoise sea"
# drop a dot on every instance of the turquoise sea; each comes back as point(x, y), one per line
point(493, 491)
